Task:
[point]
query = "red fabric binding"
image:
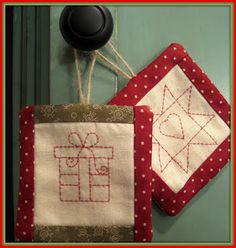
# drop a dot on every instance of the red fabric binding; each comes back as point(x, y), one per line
point(143, 173)
point(25, 211)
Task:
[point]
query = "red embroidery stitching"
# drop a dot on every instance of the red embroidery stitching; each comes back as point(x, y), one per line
point(71, 166)
point(191, 115)
point(180, 134)
point(178, 56)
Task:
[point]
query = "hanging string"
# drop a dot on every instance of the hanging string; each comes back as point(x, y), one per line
point(117, 68)
point(121, 58)
point(95, 54)
point(79, 81)
point(83, 99)
point(94, 57)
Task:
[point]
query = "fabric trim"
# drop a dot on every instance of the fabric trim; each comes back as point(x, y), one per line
point(173, 203)
point(83, 113)
point(200, 80)
point(83, 233)
point(131, 95)
point(143, 170)
point(25, 210)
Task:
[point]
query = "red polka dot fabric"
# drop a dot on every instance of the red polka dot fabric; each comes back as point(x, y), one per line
point(25, 210)
point(143, 173)
point(191, 125)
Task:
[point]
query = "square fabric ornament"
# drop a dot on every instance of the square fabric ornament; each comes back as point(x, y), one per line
point(84, 175)
point(190, 127)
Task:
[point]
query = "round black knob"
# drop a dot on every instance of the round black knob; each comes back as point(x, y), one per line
point(86, 27)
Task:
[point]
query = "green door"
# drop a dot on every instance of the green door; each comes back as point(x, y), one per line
point(140, 34)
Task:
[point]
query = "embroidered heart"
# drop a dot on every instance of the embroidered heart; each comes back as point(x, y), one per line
point(172, 127)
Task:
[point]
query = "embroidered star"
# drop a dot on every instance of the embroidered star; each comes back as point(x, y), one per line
point(181, 129)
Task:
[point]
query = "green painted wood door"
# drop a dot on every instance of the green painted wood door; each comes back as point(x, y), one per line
point(140, 34)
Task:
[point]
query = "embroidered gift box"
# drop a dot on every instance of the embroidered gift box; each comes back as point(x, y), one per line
point(84, 170)
point(190, 129)
point(84, 175)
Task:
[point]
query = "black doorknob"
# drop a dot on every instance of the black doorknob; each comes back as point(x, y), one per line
point(86, 27)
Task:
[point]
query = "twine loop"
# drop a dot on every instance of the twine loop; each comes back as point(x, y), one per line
point(94, 55)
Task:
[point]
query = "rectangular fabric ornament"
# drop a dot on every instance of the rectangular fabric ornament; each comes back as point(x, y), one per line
point(191, 141)
point(84, 175)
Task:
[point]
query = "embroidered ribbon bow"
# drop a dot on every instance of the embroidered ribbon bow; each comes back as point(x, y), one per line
point(90, 141)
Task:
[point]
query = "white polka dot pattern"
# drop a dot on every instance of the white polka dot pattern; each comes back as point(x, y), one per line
point(143, 173)
point(24, 231)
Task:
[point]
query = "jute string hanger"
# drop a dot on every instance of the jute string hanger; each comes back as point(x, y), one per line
point(85, 99)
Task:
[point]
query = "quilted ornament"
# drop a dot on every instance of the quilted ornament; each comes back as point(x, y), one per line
point(84, 174)
point(191, 125)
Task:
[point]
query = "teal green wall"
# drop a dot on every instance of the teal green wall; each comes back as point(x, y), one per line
point(140, 34)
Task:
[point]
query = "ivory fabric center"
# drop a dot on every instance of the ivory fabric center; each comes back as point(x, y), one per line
point(186, 129)
point(78, 163)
